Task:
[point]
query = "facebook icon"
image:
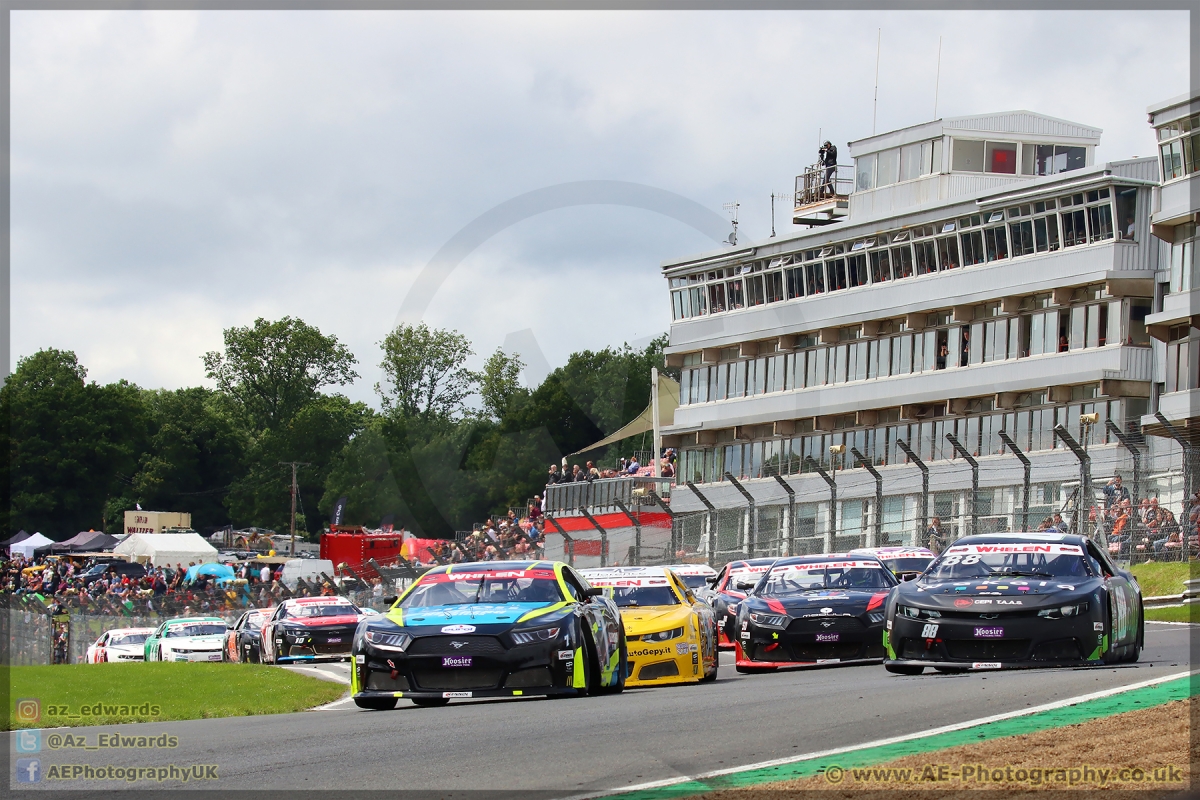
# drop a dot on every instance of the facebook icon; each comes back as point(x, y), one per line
point(29, 770)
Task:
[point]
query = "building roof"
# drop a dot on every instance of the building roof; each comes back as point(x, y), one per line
point(1025, 124)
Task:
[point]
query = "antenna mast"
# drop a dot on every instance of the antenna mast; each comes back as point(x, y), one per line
point(732, 208)
point(875, 106)
point(938, 80)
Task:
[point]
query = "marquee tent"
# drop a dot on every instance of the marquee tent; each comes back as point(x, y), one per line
point(19, 536)
point(29, 546)
point(85, 542)
point(167, 549)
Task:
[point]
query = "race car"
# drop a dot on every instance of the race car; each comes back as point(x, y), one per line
point(490, 629)
point(905, 563)
point(697, 577)
point(729, 588)
point(672, 635)
point(814, 610)
point(1015, 600)
point(187, 639)
point(307, 629)
point(242, 642)
point(120, 645)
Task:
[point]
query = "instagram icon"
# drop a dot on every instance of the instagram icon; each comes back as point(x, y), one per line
point(29, 709)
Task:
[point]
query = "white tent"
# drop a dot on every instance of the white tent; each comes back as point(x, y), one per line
point(27, 546)
point(166, 549)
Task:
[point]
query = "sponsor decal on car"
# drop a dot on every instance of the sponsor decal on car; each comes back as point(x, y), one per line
point(963, 602)
point(456, 661)
point(986, 665)
point(1097, 626)
point(990, 632)
point(651, 651)
point(683, 648)
point(828, 637)
point(821, 566)
point(1016, 547)
point(456, 694)
point(458, 629)
point(566, 655)
point(829, 660)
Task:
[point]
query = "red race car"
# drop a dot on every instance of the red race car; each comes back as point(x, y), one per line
point(729, 589)
point(309, 628)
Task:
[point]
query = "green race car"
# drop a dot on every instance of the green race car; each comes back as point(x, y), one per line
point(187, 639)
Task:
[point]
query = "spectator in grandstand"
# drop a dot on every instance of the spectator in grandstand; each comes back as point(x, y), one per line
point(554, 476)
point(935, 535)
point(1115, 492)
point(577, 474)
point(1057, 524)
point(632, 466)
point(592, 472)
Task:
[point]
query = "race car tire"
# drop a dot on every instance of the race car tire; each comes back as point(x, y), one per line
point(1114, 655)
point(905, 669)
point(713, 676)
point(431, 702)
point(591, 667)
point(376, 703)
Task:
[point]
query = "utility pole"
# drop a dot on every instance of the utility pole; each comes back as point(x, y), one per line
point(295, 465)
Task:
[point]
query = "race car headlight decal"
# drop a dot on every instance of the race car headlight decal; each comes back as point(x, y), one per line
point(875, 617)
point(770, 620)
point(529, 637)
point(388, 641)
point(918, 613)
point(1063, 611)
point(663, 636)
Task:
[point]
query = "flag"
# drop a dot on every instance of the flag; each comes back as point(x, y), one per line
point(339, 510)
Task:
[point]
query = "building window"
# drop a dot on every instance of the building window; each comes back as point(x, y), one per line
point(1001, 157)
point(864, 167)
point(968, 156)
point(1183, 258)
point(1179, 147)
point(881, 269)
point(1051, 159)
point(888, 169)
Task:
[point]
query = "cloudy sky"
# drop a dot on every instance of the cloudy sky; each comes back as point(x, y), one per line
point(177, 173)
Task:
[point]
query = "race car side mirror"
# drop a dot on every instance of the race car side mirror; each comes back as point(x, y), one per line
point(910, 576)
point(711, 581)
point(390, 599)
point(744, 585)
point(594, 591)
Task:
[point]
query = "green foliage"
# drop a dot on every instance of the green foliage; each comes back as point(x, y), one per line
point(426, 372)
point(500, 383)
point(72, 444)
point(274, 369)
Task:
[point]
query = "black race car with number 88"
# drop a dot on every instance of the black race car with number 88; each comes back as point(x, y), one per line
point(1015, 600)
point(814, 610)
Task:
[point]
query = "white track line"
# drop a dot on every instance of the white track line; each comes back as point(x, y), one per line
point(329, 676)
point(958, 726)
point(332, 706)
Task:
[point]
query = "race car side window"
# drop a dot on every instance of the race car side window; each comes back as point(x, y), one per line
point(1099, 561)
point(574, 585)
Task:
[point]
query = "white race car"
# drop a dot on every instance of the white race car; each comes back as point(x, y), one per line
point(187, 639)
point(697, 577)
point(120, 645)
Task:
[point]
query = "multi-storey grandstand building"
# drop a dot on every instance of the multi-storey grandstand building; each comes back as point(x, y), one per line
point(965, 294)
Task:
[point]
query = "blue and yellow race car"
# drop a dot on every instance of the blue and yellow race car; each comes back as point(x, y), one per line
point(507, 629)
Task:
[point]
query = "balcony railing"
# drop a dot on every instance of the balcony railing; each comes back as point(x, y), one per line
point(813, 187)
point(603, 495)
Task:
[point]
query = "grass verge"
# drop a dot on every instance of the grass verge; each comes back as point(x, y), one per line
point(1174, 614)
point(1159, 578)
point(107, 694)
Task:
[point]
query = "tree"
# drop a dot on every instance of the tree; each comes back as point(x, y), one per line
point(500, 383)
point(274, 369)
point(72, 445)
point(426, 372)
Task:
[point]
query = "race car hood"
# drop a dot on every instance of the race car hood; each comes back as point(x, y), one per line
point(1012, 593)
point(653, 619)
point(216, 640)
point(839, 601)
point(473, 615)
point(320, 622)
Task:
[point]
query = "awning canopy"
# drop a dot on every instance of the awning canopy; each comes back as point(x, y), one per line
point(167, 549)
point(85, 542)
point(668, 401)
point(29, 546)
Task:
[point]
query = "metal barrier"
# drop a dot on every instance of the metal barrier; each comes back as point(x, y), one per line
point(815, 187)
point(604, 495)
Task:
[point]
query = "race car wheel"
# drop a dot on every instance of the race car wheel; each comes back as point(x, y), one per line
point(376, 703)
point(712, 676)
point(430, 702)
point(905, 669)
point(622, 668)
point(1114, 655)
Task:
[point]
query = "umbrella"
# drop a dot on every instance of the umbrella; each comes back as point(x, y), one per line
point(222, 572)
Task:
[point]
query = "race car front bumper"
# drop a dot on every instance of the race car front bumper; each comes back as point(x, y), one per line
point(1009, 641)
point(806, 642)
point(483, 668)
point(658, 664)
point(318, 644)
point(192, 655)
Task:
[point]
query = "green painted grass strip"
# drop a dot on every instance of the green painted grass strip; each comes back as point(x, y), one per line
point(1070, 715)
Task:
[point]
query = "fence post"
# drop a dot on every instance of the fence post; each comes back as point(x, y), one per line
point(791, 532)
point(1024, 459)
point(974, 480)
point(752, 530)
point(876, 537)
point(1187, 476)
point(712, 525)
point(603, 535)
point(1085, 485)
point(913, 457)
point(637, 532)
point(832, 501)
point(565, 535)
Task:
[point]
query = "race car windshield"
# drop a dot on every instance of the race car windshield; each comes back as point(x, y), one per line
point(973, 564)
point(794, 579)
point(254, 622)
point(128, 638)
point(634, 596)
point(443, 589)
point(907, 564)
point(195, 629)
point(694, 581)
point(318, 610)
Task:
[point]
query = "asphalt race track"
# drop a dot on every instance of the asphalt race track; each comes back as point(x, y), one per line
point(580, 746)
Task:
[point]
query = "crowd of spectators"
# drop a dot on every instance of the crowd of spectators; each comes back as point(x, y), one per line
point(624, 468)
point(1147, 529)
point(58, 583)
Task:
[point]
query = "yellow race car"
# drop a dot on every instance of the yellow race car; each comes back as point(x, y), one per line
point(672, 636)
